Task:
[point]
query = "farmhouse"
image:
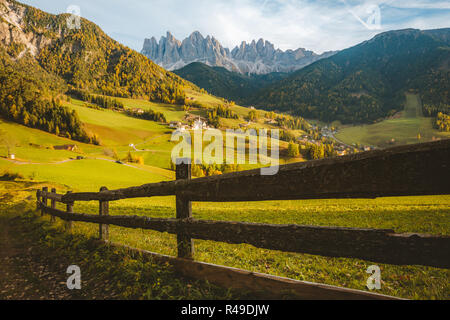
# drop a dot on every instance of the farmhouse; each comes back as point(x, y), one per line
point(199, 124)
point(175, 124)
point(68, 147)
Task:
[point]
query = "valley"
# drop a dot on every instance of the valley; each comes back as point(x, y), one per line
point(117, 131)
point(79, 111)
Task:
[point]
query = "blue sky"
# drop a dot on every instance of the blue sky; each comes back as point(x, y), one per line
point(289, 24)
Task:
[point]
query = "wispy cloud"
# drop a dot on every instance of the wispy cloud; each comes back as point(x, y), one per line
point(317, 25)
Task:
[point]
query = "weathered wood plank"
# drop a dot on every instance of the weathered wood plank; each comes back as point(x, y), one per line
point(69, 211)
point(382, 246)
point(185, 244)
point(44, 198)
point(262, 286)
point(103, 211)
point(52, 195)
point(421, 169)
point(38, 199)
point(53, 205)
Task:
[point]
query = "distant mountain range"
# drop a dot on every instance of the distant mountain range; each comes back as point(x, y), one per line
point(249, 58)
point(362, 84)
point(40, 58)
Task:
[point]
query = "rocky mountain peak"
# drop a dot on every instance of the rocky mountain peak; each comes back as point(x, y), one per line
point(256, 57)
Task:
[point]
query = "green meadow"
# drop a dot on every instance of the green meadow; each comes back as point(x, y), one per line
point(405, 214)
point(40, 165)
point(404, 128)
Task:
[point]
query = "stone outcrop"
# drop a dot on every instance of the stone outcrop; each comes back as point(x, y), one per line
point(256, 57)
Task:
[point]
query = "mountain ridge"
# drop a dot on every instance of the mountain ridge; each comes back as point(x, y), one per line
point(43, 60)
point(224, 83)
point(256, 57)
point(366, 82)
point(85, 58)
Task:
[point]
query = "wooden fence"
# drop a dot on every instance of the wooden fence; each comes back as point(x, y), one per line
point(422, 169)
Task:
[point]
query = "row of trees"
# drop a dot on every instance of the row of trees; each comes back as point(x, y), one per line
point(287, 136)
point(206, 170)
point(22, 100)
point(293, 123)
point(147, 115)
point(188, 104)
point(101, 101)
point(432, 110)
point(320, 151)
point(312, 151)
point(220, 112)
point(226, 112)
point(442, 122)
point(442, 113)
point(47, 116)
point(130, 158)
point(253, 116)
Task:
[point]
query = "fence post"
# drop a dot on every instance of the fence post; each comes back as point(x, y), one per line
point(53, 204)
point(68, 224)
point(38, 199)
point(104, 211)
point(184, 211)
point(44, 199)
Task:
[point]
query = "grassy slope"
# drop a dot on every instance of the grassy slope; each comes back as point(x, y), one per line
point(404, 129)
point(412, 214)
point(118, 130)
point(407, 214)
point(45, 164)
point(34, 267)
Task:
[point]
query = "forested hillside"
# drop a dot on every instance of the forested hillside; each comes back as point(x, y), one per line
point(86, 58)
point(41, 58)
point(223, 83)
point(25, 98)
point(367, 82)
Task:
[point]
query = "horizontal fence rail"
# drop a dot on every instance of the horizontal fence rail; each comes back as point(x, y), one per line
point(412, 170)
point(383, 246)
point(422, 169)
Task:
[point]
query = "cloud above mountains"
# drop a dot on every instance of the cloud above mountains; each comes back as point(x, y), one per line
point(289, 24)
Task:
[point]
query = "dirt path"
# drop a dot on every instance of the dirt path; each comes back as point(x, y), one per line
point(14, 283)
point(21, 276)
point(37, 163)
point(70, 160)
point(30, 272)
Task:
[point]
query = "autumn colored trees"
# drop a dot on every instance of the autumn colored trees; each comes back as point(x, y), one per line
point(22, 101)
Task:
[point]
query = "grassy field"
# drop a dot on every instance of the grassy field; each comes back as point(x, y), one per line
point(116, 129)
point(36, 253)
point(37, 159)
point(404, 128)
point(45, 166)
point(405, 214)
